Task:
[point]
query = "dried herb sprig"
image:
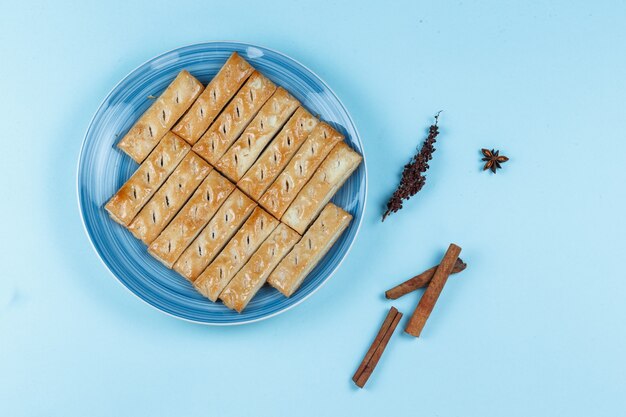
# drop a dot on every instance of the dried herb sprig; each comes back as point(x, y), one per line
point(413, 178)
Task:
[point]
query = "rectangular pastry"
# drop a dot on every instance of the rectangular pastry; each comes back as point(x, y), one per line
point(234, 118)
point(300, 169)
point(151, 174)
point(235, 254)
point(316, 242)
point(194, 215)
point(279, 152)
point(334, 171)
point(215, 235)
point(253, 275)
point(161, 116)
point(217, 93)
point(164, 205)
point(272, 116)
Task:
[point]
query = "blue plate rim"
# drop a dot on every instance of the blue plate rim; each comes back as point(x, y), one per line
point(207, 323)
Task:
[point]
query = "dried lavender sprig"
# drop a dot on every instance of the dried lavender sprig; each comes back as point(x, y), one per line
point(412, 176)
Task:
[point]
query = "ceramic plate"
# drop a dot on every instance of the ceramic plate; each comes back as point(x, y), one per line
point(102, 169)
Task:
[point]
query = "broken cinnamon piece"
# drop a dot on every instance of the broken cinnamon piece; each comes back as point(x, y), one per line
point(369, 362)
point(428, 300)
point(421, 280)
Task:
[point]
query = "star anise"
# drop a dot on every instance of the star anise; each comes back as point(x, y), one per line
point(494, 159)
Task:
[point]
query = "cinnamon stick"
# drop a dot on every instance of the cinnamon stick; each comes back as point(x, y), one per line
point(381, 334)
point(373, 355)
point(421, 280)
point(429, 299)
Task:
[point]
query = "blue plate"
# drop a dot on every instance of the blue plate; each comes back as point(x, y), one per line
point(102, 169)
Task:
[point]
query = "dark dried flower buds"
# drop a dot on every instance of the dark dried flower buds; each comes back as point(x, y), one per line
point(413, 178)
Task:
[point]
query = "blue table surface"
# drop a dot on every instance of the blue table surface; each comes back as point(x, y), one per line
point(534, 327)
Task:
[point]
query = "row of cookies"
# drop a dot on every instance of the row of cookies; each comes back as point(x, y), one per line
point(212, 241)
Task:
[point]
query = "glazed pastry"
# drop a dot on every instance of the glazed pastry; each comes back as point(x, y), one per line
point(164, 205)
point(279, 152)
point(272, 116)
point(194, 215)
point(142, 138)
point(252, 276)
point(215, 235)
point(217, 93)
point(300, 169)
point(235, 254)
point(316, 242)
point(151, 174)
point(234, 118)
point(334, 171)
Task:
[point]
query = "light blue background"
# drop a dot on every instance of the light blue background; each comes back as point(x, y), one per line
point(534, 327)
